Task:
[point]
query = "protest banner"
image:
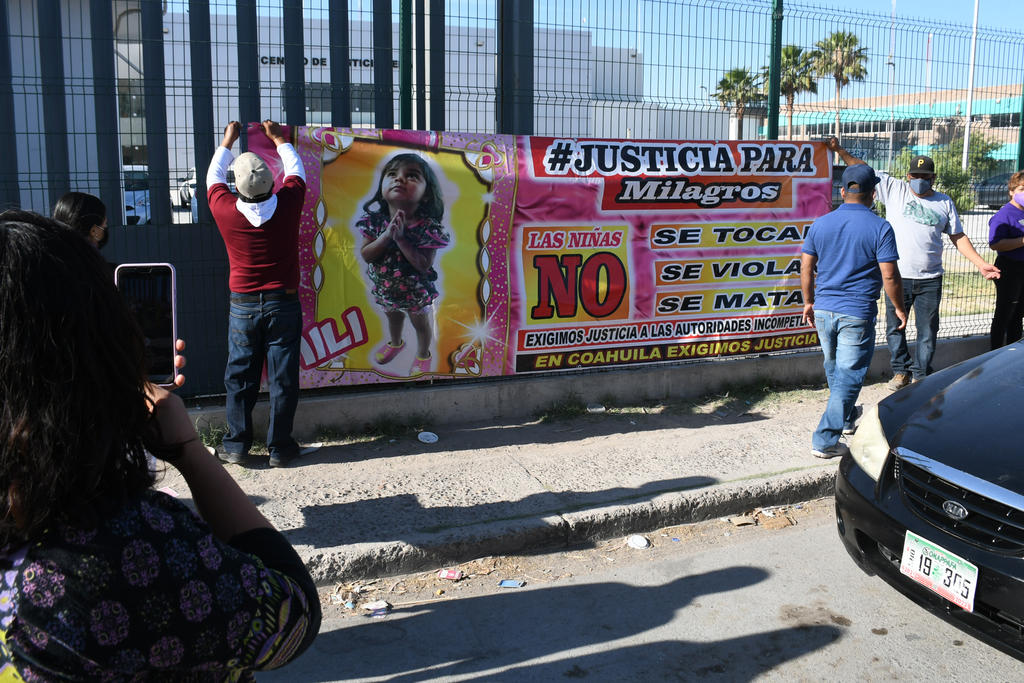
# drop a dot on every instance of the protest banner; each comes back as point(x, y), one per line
point(522, 254)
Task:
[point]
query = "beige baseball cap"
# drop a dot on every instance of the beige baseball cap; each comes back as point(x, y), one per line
point(253, 178)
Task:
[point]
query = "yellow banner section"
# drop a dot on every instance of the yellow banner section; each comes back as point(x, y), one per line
point(719, 234)
point(780, 299)
point(575, 273)
point(712, 271)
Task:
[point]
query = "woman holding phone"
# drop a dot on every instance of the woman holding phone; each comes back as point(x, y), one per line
point(102, 576)
point(86, 214)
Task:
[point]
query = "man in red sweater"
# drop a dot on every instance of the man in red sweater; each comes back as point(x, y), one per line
point(260, 229)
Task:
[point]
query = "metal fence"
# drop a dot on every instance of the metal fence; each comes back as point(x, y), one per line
point(95, 90)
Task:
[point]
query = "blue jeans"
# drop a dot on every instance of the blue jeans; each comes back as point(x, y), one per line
point(263, 326)
point(923, 296)
point(848, 344)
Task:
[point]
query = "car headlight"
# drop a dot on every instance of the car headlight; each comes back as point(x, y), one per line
point(869, 446)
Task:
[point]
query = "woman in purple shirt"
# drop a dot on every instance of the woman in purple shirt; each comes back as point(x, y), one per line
point(1006, 238)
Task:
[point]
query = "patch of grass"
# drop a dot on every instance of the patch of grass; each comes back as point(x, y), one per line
point(381, 428)
point(567, 408)
point(328, 434)
point(213, 435)
point(966, 293)
point(756, 395)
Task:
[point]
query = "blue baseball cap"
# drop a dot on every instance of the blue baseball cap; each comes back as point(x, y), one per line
point(860, 175)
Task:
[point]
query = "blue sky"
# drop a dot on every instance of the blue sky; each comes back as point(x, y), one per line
point(958, 11)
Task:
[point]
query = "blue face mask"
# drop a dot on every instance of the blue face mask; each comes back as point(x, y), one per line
point(920, 185)
point(1019, 198)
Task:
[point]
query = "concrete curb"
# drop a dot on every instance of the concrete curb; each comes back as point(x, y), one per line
point(364, 560)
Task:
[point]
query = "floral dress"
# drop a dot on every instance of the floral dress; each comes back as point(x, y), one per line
point(151, 594)
point(397, 285)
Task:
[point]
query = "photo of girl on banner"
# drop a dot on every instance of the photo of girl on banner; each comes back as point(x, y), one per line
point(402, 233)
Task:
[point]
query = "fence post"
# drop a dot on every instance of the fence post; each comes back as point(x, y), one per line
point(55, 121)
point(515, 68)
point(774, 75)
point(437, 47)
point(341, 89)
point(294, 64)
point(154, 95)
point(108, 144)
point(248, 67)
point(420, 12)
point(405, 64)
point(10, 195)
point(383, 60)
point(203, 126)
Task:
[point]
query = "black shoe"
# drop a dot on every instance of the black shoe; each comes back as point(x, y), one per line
point(279, 460)
point(229, 458)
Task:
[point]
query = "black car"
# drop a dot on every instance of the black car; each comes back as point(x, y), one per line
point(994, 192)
point(931, 498)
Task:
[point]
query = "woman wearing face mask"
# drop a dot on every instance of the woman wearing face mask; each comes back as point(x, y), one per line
point(85, 214)
point(1006, 238)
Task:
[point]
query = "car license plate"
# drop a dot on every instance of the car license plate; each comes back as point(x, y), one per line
point(939, 570)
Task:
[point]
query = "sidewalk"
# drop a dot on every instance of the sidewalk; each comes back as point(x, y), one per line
point(393, 504)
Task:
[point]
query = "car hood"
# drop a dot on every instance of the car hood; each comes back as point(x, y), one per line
point(969, 419)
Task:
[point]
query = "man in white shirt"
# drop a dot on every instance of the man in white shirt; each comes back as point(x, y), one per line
point(919, 216)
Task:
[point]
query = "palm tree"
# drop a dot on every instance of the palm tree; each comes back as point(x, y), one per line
point(797, 75)
point(738, 89)
point(841, 57)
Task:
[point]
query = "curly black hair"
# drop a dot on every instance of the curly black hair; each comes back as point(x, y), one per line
point(432, 204)
point(73, 407)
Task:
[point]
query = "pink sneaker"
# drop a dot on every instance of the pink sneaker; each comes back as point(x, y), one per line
point(420, 366)
point(386, 353)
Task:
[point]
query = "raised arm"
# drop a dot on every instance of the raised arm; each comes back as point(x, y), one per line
point(222, 157)
point(833, 144)
point(290, 160)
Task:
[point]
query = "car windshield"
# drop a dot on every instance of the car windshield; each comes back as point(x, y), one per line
point(136, 180)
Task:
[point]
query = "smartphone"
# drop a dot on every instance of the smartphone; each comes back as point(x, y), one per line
point(150, 291)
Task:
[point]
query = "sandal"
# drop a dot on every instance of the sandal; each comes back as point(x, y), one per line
point(386, 353)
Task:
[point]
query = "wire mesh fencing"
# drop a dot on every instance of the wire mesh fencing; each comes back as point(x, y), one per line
point(127, 99)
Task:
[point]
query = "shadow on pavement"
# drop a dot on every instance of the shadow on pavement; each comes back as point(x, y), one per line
point(403, 517)
point(471, 638)
point(562, 430)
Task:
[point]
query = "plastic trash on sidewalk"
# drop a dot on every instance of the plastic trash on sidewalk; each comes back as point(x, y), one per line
point(450, 574)
point(637, 541)
point(377, 608)
point(427, 437)
point(511, 583)
point(595, 408)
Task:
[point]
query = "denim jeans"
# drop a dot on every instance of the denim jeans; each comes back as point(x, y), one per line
point(267, 329)
point(848, 344)
point(923, 296)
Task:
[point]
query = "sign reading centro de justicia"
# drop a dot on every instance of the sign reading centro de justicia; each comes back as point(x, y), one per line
point(268, 60)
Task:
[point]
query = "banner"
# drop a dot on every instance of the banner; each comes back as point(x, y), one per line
point(429, 255)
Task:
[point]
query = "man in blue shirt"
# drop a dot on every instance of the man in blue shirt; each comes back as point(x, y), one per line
point(855, 254)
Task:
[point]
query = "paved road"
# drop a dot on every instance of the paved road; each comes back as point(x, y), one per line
point(781, 605)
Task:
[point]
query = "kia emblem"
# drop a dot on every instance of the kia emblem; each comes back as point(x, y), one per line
point(954, 510)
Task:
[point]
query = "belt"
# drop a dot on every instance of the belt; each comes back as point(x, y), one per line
point(266, 295)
